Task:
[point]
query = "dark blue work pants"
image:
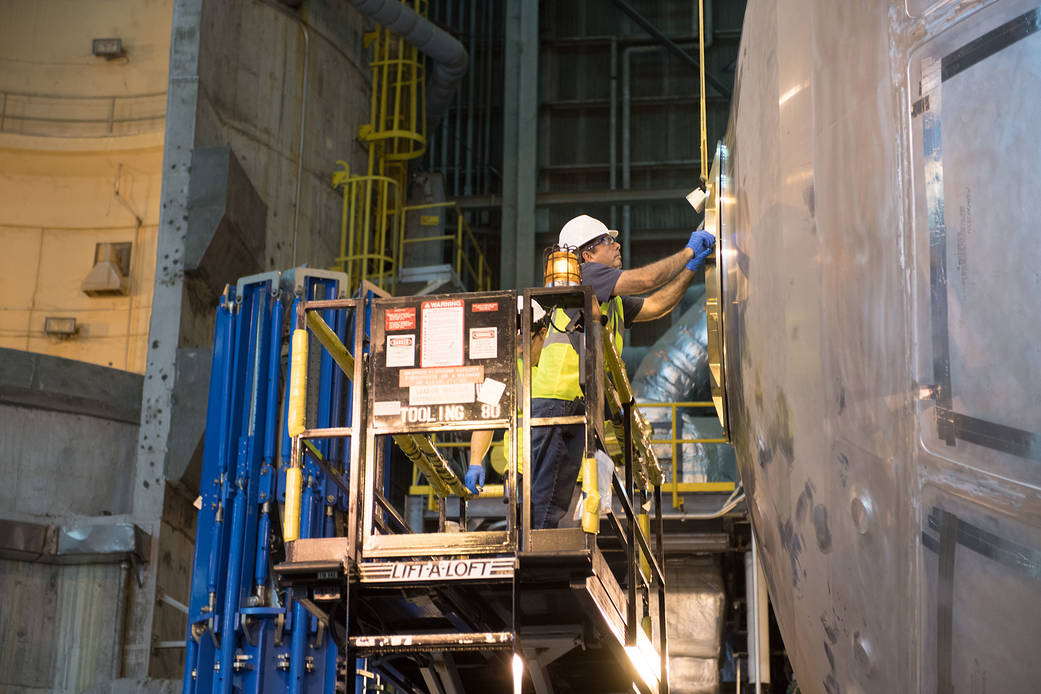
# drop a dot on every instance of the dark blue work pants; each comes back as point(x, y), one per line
point(556, 455)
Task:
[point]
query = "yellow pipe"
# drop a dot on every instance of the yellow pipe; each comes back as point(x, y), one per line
point(298, 383)
point(701, 88)
point(294, 484)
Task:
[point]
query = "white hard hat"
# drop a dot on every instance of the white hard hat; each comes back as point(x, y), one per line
point(537, 312)
point(583, 229)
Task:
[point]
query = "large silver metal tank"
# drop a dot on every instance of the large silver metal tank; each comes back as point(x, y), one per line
point(876, 312)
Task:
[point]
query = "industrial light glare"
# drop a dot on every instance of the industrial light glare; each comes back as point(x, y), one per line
point(518, 673)
point(561, 267)
point(645, 660)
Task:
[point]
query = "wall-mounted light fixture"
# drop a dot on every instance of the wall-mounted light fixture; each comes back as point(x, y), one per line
point(109, 49)
point(57, 326)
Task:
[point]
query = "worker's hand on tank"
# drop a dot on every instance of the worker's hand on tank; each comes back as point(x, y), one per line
point(699, 256)
point(700, 240)
point(475, 478)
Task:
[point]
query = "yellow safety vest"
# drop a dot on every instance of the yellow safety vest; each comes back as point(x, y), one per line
point(499, 465)
point(557, 376)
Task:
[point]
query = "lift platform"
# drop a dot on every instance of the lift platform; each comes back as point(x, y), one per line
point(466, 604)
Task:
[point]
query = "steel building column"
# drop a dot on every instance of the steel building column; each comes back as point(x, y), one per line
point(163, 337)
point(520, 120)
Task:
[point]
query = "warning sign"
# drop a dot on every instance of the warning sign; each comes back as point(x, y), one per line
point(442, 333)
point(400, 319)
point(484, 343)
point(440, 360)
point(401, 350)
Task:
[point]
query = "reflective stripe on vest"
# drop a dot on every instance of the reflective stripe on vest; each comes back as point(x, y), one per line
point(559, 364)
point(520, 418)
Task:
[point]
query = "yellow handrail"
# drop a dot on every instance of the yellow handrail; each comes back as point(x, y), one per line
point(673, 486)
point(395, 134)
point(469, 264)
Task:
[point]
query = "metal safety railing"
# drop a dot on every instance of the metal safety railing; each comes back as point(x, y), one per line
point(373, 224)
point(63, 115)
point(371, 203)
point(419, 488)
point(465, 254)
point(673, 485)
point(398, 111)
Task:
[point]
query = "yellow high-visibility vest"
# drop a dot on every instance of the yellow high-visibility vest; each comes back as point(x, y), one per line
point(499, 464)
point(558, 366)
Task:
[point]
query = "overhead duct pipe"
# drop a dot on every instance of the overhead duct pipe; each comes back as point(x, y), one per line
point(449, 56)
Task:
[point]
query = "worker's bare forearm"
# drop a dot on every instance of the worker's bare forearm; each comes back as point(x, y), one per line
point(665, 299)
point(645, 279)
point(480, 442)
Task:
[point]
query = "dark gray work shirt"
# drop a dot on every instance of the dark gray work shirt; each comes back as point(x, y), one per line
point(602, 278)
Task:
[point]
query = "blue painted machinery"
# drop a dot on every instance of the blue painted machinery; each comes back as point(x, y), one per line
point(246, 634)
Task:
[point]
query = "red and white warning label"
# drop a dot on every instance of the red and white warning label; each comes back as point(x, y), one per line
point(399, 319)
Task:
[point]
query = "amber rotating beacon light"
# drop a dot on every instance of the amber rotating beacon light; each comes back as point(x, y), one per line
point(561, 263)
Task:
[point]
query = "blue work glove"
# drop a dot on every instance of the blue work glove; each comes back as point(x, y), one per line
point(475, 478)
point(701, 242)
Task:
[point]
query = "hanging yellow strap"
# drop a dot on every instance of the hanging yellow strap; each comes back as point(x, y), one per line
point(701, 77)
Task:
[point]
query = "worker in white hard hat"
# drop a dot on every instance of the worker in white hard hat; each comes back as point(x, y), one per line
point(556, 392)
point(481, 439)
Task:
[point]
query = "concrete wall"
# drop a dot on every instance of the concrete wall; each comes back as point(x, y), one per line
point(237, 81)
point(69, 433)
point(251, 71)
point(61, 464)
point(81, 163)
point(60, 197)
point(60, 626)
point(45, 46)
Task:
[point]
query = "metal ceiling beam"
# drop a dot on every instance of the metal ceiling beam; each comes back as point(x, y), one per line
point(647, 26)
point(579, 197)
point(520, 141)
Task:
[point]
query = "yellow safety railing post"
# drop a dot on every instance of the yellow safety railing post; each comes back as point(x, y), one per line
point(591, 490)
point(294, 427)
point(676, 501)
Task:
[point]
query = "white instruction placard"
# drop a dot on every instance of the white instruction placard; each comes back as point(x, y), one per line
point(386, 408)
point(442, 333)
point(446, 394)
point(484, 343)
point(490, 392)
point(401, 350)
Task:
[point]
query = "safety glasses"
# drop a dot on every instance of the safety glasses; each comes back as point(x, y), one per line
point(606, 239)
